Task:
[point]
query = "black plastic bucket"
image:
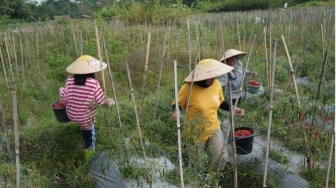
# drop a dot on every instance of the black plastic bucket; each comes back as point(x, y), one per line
point(60, 114)
point(244, 145)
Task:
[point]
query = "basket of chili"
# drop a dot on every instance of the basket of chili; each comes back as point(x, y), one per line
point(59, 108)
point(253, 86)
point(243, 140)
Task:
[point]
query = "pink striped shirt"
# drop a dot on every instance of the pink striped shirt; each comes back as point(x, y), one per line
point(81, 101)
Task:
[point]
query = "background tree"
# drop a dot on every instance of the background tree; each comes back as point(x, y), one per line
point(15, 9)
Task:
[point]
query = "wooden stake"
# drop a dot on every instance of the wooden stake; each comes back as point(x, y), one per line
point(9, 150)
point(146, 67)
point(332, 139)
point(100, 57)
point(138, 125)
point(299, 58)
point(4, 67)
point(165, 46)
point(298, 100)
point(37, 47)
point(22, 64)
point(244, 73)
point(231, 125)
point(116, 103)
point(270, 115)
point(177, 110)
point(324, 64)
point(270, 49)
point(14, 55)
point(9, 60)
point(75, 40)
point(189, 45)
point(240, 48)
point(16, 136)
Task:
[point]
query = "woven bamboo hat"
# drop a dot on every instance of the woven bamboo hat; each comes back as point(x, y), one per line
point(86, 64)
point(232, 53)
point(207, 68)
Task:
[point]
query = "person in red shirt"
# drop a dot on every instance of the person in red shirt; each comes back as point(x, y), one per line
point(81, 94)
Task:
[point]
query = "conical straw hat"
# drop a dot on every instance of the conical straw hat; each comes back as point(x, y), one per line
point(232, 53)
point(208, 68)
point(86, 64)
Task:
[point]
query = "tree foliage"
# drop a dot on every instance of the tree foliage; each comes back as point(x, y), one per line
point(16, 9)
point(26, 9)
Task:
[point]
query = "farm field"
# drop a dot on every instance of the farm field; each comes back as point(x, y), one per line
point(293, 48)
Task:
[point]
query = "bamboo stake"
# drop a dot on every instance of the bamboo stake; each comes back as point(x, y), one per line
point(298, 100)
point(28, 50)
point(266, 59)
point(37, 47)
point(238, 34)
point(223, 39)
point(332, 138)
point(116, 103)
point(165, 46)
point(16, 136)
point(16, 59)
point(243, 36)
point(138, 125)
point(324, 64)
point(270, 115)
point(270, 48)
point(12, 50)
point(291, 70)
point(9, 59)
point(100, 57)
point(189, 45)
point(146, 67)
point(244, 73)
point(9, 150)
point(81, 43)
point(192, 77)
point(232, 108)
point(4, 68)
point(177, 110)
point(75, 40)
point(191, 86)
point(22, 64)
point(199, 47)
point(303, 52)
point(322, 38)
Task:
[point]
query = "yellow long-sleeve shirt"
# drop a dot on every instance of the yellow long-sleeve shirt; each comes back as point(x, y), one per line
point(202, 111)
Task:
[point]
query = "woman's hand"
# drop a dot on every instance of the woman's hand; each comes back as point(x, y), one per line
point(253, 73)
point(174, 117)
point(110, 102)
point(239, 112)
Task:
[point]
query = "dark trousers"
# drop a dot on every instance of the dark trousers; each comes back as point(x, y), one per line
point(89, 137)
point(234, 101)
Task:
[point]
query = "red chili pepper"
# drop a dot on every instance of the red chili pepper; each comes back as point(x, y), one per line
point(284, 119)
point(59, 104)
point(316, 135)
point(254, 83)
point(301, 115)
point(326, 120)
point(242, 133)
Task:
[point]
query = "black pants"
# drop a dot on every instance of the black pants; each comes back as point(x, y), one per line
point(234, 101)
point(89, 137)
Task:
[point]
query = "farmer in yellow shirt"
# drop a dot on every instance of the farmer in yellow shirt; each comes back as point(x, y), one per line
point(203, 127)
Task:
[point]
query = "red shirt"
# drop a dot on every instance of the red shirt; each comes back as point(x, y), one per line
point(81, 101)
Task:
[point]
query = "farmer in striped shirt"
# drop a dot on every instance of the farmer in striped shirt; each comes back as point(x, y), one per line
point(81, 93)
